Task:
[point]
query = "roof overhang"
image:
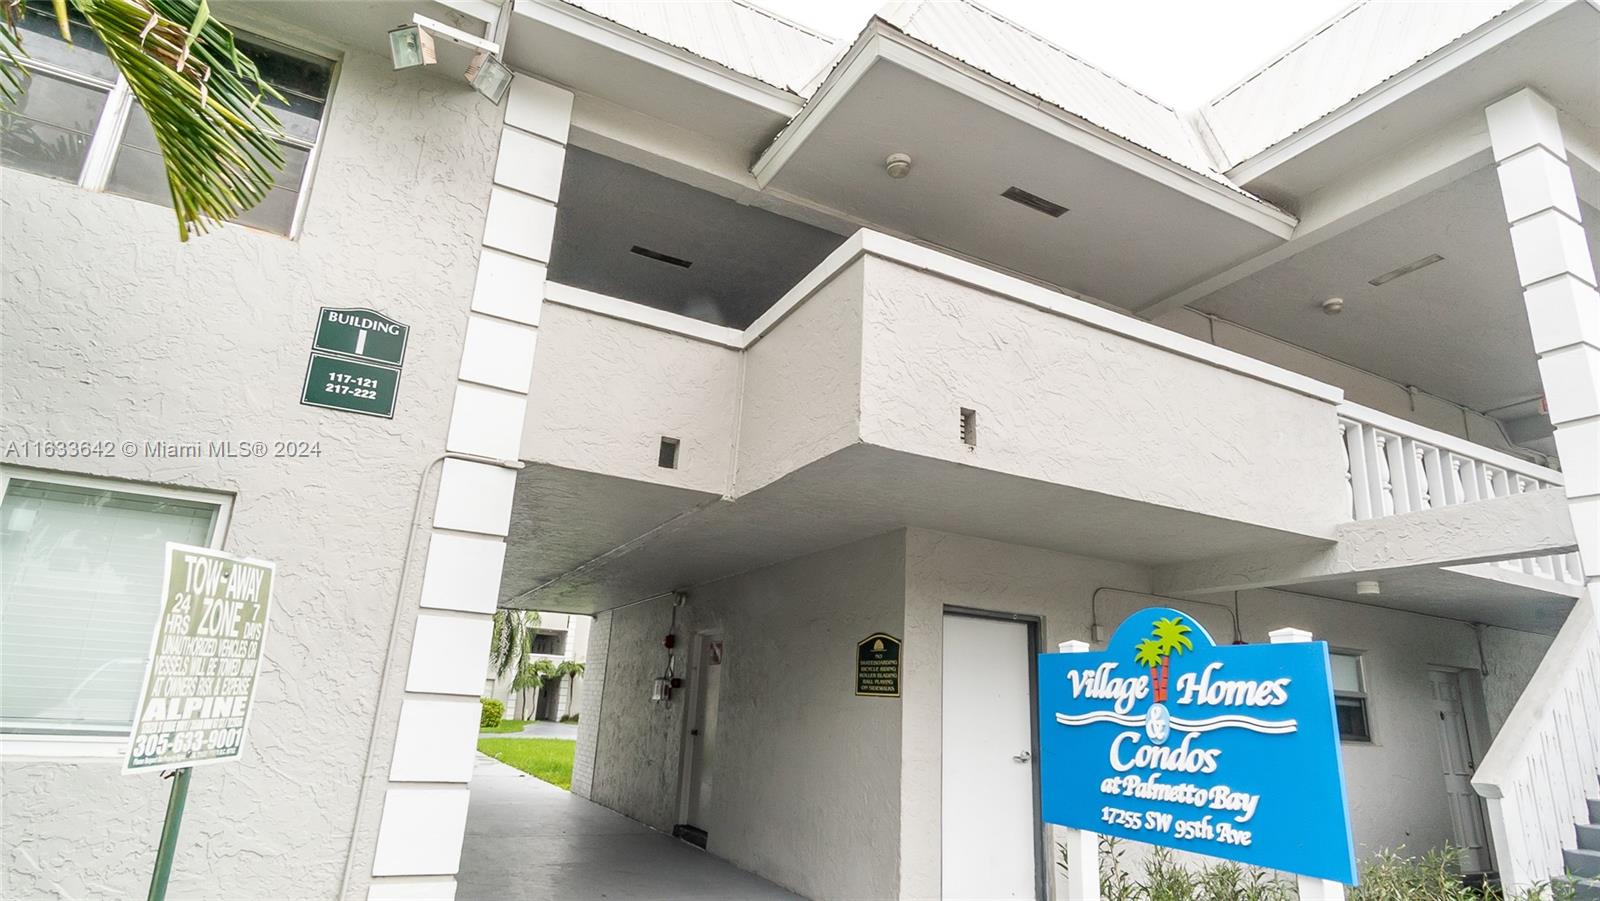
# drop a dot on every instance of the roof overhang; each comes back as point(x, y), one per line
point(1553, 48)
point(594, 55)
point(970, 137)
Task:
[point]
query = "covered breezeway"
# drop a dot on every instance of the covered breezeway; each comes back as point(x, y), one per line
point(528, 840)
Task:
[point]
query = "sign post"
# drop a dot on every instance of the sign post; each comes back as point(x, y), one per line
point(1166, 738)
point(200, 678)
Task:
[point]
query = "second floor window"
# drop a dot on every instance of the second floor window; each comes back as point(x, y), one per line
point(77, 120)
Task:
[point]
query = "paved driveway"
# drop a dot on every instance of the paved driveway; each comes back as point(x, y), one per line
point(527, 839)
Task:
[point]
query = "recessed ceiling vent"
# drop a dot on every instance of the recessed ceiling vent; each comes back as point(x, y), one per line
point(1034, 202)
point(658, 256)
point(1407, 269)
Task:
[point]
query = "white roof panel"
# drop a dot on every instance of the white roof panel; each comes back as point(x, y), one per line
point(1353, 53)
point(745, 38)
point(1019, 57)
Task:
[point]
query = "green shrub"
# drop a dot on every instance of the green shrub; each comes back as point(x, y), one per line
point(1385, 876)
point(493, 710)
point(571, 718)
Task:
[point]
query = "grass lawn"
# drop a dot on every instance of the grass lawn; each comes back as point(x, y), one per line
point(506, 726)
point(549, 759)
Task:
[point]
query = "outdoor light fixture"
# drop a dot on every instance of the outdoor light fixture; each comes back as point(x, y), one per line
point(898, 165)
point(1407, 269)
point(489, 76)
point(1333, 306)
point(410, 46)
point(1367, 588)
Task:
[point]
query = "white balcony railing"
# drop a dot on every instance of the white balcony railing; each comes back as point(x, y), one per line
point(1545, 761)
point(1394, 466)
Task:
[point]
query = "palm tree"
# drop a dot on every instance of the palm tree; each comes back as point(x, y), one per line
point(1172, 636)
point(511, 641)
point(204, 98)
point(532, 675)
point(569, 668)
point(1148, 653)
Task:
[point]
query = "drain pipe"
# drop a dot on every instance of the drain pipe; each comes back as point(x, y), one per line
point(388, 652)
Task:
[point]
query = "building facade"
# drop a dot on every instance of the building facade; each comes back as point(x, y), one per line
point(557, 638)
point(753, 345)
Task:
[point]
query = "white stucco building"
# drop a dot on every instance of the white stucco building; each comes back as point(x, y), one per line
point(557, 638)
point(725, 331)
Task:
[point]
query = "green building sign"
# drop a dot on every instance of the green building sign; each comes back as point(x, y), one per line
point(356, 356)
point(341, 384)
point(878, 666)
point(361, 333)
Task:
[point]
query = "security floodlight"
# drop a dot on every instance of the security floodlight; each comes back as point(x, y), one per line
point(411, 46)
point(489, 76)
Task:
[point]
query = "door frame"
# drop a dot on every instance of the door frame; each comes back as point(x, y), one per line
point(690, 721)
point(1042, 884)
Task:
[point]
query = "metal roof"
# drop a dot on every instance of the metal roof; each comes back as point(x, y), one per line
point(1011, 53)
point(1351, 54)
point(737, 35)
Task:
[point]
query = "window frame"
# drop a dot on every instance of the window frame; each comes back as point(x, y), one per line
point(57, 746)
point(109, 130)
point(1364, 695)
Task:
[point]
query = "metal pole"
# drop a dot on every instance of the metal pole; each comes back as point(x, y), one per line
point(169, 835)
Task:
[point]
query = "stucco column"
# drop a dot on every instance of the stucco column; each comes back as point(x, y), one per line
point(1558, 282)
point(425, 802)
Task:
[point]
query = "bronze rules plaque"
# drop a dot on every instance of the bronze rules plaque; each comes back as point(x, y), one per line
point(878, 666)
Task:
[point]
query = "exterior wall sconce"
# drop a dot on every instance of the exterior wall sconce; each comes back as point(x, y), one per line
point(489, 76)
point(410, 46)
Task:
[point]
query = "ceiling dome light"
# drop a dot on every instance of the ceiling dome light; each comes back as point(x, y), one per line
point(1333, 306)
point(1368, 588)
point(898, 165)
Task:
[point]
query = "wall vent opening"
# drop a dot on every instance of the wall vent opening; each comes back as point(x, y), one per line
point(657, 255)
point(667, 457)
point(969, 427)
point(1407, 269)
point(1034, 202)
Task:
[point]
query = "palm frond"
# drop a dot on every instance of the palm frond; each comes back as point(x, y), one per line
point(204, 100)
point(13, 59)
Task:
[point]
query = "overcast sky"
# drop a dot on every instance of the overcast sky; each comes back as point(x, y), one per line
point(1181, 52)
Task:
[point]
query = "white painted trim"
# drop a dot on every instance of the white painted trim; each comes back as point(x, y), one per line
point(1403, 84)
point(883, 43)
point(639, 314)
point(603, 32)
point(1452, 443)
point(29, 747)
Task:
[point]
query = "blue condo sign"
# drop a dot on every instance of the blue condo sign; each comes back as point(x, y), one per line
point(1166, 738)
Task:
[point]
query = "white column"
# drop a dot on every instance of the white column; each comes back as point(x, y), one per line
point(425, 804)
point(1558, 282)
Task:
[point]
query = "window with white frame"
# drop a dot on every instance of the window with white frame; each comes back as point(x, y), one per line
point(78, 121)
point(80, 591)
point(1350, 696)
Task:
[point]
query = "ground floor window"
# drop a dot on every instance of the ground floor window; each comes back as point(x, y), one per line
point(80, 589)
point(1350, 696)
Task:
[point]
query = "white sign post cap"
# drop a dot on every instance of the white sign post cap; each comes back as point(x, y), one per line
point(1288, 635)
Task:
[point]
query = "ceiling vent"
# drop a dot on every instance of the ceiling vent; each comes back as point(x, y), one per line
point(1407, 269)
point(1033, 202)
point(660, 257)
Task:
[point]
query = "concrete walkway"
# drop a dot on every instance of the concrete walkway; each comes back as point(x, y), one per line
point(530, 841)
point(539, 729)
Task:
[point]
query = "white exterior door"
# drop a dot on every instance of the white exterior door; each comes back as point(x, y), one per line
point(703, 730)
point(989, 824)
point(1455, 754)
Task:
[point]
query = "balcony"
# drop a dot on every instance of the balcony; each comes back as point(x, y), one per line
point(1393, 467)
point(896, 386)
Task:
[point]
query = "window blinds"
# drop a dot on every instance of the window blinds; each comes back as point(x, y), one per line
point(80, 586)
